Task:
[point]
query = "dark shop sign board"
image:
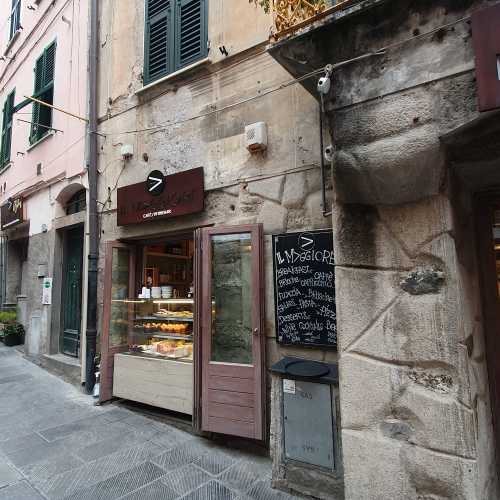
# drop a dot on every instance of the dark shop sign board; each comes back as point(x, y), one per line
point(161, 197)
point(12, 213)
point(304, 289)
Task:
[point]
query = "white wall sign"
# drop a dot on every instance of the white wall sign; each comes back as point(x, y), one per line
point(47, 291)
point(288, 386)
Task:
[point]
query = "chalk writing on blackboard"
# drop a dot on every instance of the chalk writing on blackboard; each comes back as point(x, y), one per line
point(304, 289)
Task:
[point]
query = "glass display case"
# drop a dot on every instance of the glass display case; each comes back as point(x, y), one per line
point(160, 328)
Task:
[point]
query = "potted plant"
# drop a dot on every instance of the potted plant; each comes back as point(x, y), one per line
point(11, 332)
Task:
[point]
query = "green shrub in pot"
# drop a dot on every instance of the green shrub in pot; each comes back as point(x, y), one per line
point(13, 334)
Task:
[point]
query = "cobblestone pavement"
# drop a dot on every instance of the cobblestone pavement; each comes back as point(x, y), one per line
point(55, 444)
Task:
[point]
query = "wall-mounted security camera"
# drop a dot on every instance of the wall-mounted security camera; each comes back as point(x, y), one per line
point(324, 85)
point(329, 153)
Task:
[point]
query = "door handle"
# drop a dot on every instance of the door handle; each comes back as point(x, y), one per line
point(256, 331)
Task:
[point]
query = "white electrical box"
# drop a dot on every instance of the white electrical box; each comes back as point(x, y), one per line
point(127, 151)
point(256, 137)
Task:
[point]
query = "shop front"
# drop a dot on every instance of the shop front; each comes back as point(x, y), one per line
point(182, 313)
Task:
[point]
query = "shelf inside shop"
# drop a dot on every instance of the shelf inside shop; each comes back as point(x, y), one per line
point(164, 318)
point(187, 338)
point(142, 354)
point(168, 255)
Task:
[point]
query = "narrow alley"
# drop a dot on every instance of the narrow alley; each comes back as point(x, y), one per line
point(55, 444)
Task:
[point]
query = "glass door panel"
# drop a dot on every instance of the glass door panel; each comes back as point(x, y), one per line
point(232, 352)
point(231, 298)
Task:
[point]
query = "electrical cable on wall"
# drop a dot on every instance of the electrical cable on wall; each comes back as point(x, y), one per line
point(380, 52)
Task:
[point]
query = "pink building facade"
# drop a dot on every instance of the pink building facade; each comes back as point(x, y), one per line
point(44, 45)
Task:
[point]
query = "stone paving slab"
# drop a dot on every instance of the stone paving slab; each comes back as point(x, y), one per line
point(8, 475)
point(55, 444)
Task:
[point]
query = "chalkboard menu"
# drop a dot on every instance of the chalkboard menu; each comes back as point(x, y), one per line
point(304, 289)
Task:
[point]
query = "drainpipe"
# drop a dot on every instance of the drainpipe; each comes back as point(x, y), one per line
point(91, 332)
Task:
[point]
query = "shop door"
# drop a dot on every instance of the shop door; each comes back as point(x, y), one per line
point(72, 292)
point(488, 234)
point(231, 331)
point(119, 276)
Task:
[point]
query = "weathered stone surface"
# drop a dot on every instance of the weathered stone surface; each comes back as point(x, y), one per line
point(410, 472)
point(392, 170)
point(389, 398)
point(271, 189)
point(361, 239)
point(423, 281)
point(273, 216)
point(295, 190)
point(362, 295)
point(365, 482)
point(314, 210)
point(414, 224)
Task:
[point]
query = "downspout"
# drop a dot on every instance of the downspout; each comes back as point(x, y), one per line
point(91, 332)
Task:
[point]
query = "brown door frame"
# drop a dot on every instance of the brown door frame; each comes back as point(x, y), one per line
point(252, 377)
point(107, 353)
point(484, 219)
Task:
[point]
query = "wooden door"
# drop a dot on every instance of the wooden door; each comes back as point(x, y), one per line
point(119, 286)
point(72, 292)
point(233, 360)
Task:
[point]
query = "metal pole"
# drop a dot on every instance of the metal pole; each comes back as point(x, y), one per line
point(322, 161)
point(91, 332)
point(43, 103)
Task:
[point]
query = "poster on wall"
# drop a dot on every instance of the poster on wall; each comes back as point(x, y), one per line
point(304, 289)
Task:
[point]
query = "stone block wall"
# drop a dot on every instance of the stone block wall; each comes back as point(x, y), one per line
point(412, 392)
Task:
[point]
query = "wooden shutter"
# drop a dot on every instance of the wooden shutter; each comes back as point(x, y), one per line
point(7, 129)
point(486, 40)
point(36, 107)
point(44, 90)
point(191, 32)
point(158, 39)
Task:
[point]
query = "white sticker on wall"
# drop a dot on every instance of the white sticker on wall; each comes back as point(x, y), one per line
point(47, 291)
point(288, 386)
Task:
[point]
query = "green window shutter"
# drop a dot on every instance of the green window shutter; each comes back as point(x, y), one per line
point(158, 39)
point(43, 90)
point(7, 129)
point(36, 107)
point(191, 32)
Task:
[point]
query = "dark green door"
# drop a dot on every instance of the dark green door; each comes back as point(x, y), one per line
point(72, 292)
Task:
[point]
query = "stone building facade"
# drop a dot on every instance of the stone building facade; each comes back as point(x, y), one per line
point(43, 169)
point(412, 154)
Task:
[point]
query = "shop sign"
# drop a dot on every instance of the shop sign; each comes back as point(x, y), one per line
point(304, 289)
point(11, 213)
point(161, 197)
point(47, 292)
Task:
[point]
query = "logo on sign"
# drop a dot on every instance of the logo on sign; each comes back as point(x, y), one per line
point(155, 183)
point(306, 241)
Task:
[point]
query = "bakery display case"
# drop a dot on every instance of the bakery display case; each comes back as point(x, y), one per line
point(156, 363)
point(162, 328)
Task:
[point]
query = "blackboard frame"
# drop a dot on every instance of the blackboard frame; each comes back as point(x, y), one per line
point(308, 345)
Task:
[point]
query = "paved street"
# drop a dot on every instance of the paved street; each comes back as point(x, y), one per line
point(55, 444)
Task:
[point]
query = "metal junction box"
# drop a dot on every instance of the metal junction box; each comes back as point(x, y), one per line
point(308, 419)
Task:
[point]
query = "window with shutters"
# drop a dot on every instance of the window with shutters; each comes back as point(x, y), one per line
point(15, 18)
point(175, 36)
point(8, 111)
point(41, 122)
